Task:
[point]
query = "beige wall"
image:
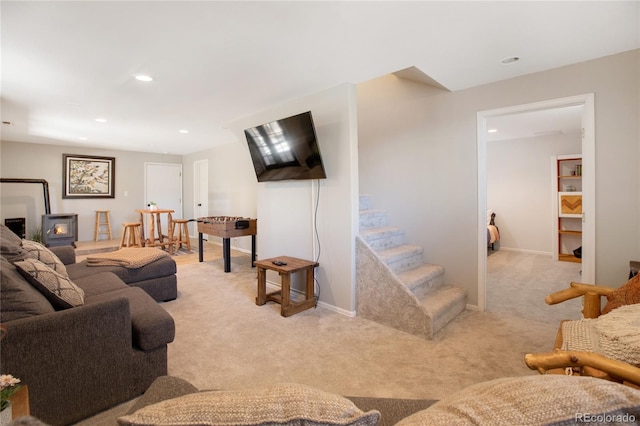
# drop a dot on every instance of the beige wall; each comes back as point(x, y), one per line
point(285, 209)
point(418, 159)
point(520, 189)
point(35, 161)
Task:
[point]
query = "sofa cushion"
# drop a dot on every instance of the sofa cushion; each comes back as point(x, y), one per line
point(151, 325)
point(540, 399)
point(615, 335)
point(11, 245)
point(44, 255)
point(18, 298)
point(628, 294)
point(103, 282)
point(162, 267)
point(58, 289)
point(163, 388)
point(281, 404)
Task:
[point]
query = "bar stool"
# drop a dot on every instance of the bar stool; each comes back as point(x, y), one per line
point(130, 235)
point(183, 233)
point(100, 215)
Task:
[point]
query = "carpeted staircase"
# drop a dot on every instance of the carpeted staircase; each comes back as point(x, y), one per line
point(395, 286)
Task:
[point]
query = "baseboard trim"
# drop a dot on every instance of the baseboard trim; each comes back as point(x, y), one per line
point(518, 250)
point(297, 295)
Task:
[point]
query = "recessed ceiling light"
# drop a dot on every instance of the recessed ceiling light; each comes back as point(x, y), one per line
point(142, 77)
point(82, 138)
point(101, 120)
point(183, 131)
point(492, 131)
point(510, 60)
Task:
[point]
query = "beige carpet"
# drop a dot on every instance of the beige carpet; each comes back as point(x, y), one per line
point(224, 340)
point(517, 284)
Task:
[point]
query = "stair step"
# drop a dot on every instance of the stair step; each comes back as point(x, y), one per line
point(444, 304)
point(423, 279)
point(365, 202)
point(373, 218)
point(402, 258)
point(383, 238)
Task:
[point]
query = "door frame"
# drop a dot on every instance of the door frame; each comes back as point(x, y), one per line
point(200, 181)
point(588, 182)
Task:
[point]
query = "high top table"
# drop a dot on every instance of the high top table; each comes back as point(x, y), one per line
point(156, 238)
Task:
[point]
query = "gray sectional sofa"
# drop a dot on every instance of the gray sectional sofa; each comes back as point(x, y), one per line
point(82, 359)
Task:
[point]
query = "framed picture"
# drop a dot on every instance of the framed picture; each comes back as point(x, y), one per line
point(86, 176)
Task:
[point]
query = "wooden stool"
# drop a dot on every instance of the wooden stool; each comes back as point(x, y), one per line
point(130, 235)
point(183, 233)
point(100, 223)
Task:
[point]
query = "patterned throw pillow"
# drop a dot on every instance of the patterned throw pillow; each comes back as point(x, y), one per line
point(60, 290)
point(628, 294)
point(282, 404)
point(44, 255)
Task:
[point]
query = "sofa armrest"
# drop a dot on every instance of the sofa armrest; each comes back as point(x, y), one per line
point(72, 360)
point(66, 254)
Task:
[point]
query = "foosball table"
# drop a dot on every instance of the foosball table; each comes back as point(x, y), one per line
point(227, 227)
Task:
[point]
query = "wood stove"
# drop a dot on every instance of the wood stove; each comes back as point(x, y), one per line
point(59, 229)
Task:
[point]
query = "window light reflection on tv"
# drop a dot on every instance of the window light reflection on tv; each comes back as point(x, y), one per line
point(286, 149)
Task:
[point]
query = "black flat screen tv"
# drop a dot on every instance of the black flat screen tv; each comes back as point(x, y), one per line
point(286, 149)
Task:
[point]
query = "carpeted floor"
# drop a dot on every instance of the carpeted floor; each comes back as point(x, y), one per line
point(517, 284)
point(224, 341)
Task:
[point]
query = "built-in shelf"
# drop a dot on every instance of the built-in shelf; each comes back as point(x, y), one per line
point(569, 207)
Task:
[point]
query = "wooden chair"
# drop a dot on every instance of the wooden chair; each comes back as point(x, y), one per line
point(578, 362)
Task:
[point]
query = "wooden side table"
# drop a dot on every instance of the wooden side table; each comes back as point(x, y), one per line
point(283, 296)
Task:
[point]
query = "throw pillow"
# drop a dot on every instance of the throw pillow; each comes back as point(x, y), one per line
point(60, 290)
point(44, 255)
point(628, 294)
point(11, 245)
point(535, 400)
point(18, 298)
point(282, 404)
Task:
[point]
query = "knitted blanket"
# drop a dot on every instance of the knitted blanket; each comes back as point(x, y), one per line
point(128, 257)
point(615, 335)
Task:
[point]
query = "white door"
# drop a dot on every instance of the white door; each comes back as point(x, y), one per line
point(163, 185)
point(200, 191)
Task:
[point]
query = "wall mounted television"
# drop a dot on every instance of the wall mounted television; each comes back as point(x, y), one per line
point(286, 149)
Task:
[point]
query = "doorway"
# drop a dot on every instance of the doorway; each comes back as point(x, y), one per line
point(588, 152)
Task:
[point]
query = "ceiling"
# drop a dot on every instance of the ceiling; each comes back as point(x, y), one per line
point(65, 64)
point(541, 123)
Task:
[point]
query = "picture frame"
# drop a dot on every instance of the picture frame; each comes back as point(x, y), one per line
point(88, 176)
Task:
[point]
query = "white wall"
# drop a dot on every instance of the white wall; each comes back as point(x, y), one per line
point(418, 159)
point(232, 186)
point(36, 161)
point(285, 209)
point(520, 189)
